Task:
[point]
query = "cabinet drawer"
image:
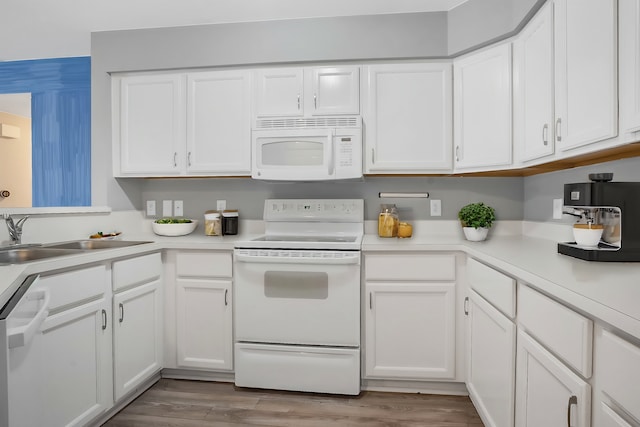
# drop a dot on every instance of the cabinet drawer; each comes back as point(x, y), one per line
point(136, 271)
point(204, 264)
point(618, 371)
point(495, 287)
point(410, 267)
point(563, 331)
point(74, 287)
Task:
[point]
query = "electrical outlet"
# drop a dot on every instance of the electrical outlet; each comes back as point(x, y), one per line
point(151, 208)
point(167, 208)
point(221, 205)
point(557, 208)
point(436, 208)
point(177, 208)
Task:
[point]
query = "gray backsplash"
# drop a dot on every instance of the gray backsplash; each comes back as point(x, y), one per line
point(540, 190)
point(247, 195)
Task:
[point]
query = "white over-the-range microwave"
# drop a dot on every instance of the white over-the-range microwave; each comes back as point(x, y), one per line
point(307, 149)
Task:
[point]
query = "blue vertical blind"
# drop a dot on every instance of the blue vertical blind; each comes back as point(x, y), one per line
point(61, 126)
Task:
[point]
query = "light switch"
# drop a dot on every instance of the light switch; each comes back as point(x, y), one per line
point(177, 208)
point(151, 208)
point(167, 208)
point(221, 205)
point(557, 208)
point(436, 208)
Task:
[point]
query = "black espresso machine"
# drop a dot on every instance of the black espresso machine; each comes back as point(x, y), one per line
point(615, 208)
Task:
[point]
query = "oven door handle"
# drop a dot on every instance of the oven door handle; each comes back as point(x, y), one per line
point(355, 259)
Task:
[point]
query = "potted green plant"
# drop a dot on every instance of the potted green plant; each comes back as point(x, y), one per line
point(476, 219)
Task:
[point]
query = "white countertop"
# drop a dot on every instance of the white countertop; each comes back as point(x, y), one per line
point(609, 292)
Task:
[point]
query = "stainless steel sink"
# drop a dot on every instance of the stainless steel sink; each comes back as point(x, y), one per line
point(33, 252)
point(88, 245)
point(18, 256)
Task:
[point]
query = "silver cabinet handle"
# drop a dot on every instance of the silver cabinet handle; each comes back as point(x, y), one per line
point(545, 132)
point(121, 307)
point(226, 291)
point(104, 319)
point(298, 101)
point(189, 158)
point(315, 101)
point(371, 300)
point(457, 153)
point(573, 400)
point(373, 156)
point(466, 306)
point(558, 129)
point(175, 160)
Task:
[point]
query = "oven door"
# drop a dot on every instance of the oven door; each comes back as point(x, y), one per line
point(297, 297)
point(293, 155)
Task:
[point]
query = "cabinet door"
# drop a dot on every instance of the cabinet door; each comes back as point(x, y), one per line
point(547, 392)
point(334, 90)
point(492, 351)
point(204, 324)
point(76, 365)
point(279, 92)
point(533, 86)
point(482, 109)
point(409, 126)
point(629, 39)
point(152, 125)
point(219, 123)
point(137, 336)
point(586, 72)
point(410, 330)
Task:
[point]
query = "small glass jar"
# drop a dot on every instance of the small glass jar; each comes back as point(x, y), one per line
point(405, 230)
point(212, 223)
point(388, 221)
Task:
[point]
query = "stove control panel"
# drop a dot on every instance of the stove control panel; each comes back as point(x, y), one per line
point(340, 210)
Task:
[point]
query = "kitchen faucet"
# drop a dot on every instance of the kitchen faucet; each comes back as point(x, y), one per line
point(15, 228)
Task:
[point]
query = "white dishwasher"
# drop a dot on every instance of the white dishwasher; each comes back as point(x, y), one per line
point(20, 378)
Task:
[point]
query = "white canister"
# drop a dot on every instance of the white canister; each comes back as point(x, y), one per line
point(212, 223)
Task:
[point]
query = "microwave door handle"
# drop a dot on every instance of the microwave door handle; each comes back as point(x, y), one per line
point(331, 153)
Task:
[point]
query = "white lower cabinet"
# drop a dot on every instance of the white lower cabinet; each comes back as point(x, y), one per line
point(137, 322)
point(491, 374)
point(203, 309)
point(548, 393)
point(410, 321)
point(75, 349)
point(617, 375)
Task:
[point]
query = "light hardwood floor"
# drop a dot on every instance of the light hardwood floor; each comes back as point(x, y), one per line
point(179, 403)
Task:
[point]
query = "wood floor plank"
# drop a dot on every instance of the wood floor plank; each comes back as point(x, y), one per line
point(181, 403)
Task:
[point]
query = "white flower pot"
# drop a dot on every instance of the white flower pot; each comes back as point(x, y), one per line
point(475, 234)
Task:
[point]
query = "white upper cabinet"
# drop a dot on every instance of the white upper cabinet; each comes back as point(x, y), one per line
point(149, 124)
point(533, 118)
point(482, 109)
point(408, 118)
point(629, 37)
point(182, 124)
point(292, 92)
point(585, 72)
point(219, 123)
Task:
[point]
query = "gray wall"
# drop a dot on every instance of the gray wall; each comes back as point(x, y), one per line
point(540, 190)
point(399, 36)
point(247, 195)
point(477, 23)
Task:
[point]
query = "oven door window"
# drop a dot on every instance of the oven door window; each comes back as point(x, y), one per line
point(296, 284)
point(293, 152)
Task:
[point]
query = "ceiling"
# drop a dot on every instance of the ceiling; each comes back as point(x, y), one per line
point(62, 28)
